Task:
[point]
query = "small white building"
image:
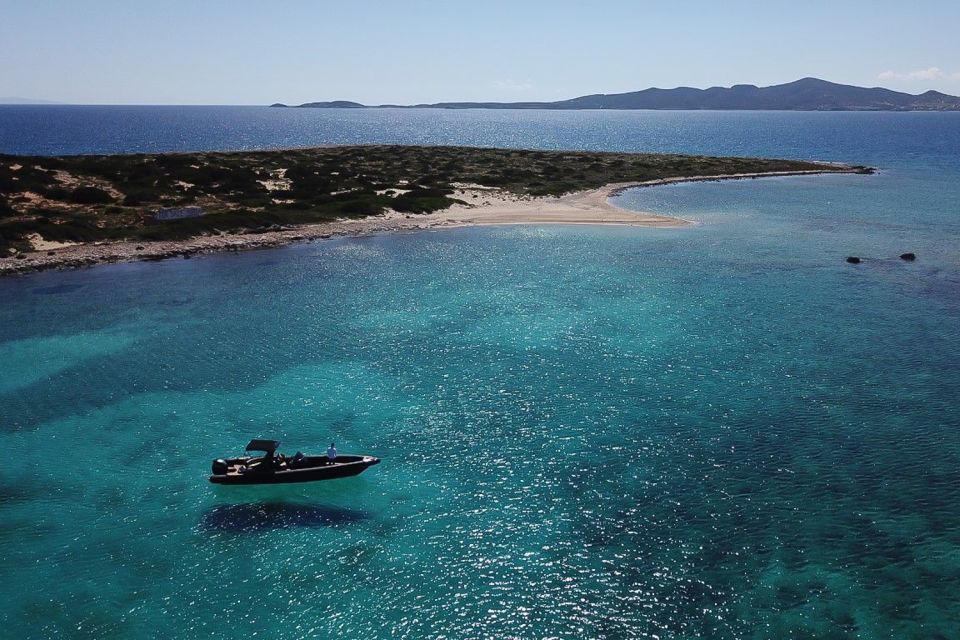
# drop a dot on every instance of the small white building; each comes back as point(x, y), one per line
point(178, 213)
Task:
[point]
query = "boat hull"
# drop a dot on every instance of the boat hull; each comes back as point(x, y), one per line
point(310, 469)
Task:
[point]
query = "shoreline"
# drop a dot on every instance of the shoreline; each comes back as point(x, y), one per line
point(484, 206)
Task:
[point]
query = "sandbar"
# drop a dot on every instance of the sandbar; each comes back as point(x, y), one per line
point(482, 206)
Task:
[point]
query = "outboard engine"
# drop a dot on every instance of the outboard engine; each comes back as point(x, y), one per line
point(219, 467)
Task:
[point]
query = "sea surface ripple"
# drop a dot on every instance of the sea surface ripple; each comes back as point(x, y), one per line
point(722, 431)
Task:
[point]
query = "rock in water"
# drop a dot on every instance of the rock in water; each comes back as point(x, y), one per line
point(909, 257)
point(853, 259)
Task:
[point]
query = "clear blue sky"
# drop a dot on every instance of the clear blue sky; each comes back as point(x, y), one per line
point(246, 52)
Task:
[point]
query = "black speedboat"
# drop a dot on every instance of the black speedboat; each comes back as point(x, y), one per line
point(272, 468)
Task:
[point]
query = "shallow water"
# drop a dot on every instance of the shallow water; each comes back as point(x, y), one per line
point(722, 431)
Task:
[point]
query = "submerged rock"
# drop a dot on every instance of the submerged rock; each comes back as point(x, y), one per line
point(909, 257)
point(853, 259)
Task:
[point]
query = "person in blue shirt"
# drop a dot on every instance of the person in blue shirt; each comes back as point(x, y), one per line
point(331, 453)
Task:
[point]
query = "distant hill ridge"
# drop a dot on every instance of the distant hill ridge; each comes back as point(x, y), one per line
point(333, 104)
point(12, 100)
point(807, 94)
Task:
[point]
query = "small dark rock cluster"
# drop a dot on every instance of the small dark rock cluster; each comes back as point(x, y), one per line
point(908, 257)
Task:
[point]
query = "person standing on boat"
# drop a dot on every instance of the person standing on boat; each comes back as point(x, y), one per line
point(331, 453)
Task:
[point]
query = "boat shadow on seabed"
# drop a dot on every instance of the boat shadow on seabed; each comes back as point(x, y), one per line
point(268, 516)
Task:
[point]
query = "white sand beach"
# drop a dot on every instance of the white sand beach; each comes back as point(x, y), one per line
point(482, 206)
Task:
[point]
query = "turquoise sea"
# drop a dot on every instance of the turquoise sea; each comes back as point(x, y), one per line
point(722, 431)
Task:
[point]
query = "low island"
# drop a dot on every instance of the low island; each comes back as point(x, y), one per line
point(72, 211)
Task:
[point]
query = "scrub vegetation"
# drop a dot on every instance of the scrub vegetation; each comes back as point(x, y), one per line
point(90, 198)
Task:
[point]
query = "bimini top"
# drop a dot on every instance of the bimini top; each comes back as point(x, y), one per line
point(263, 445)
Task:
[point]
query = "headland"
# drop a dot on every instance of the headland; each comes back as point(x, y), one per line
point(74, 211)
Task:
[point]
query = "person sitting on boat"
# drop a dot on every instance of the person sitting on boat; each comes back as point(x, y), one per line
point(331, 453)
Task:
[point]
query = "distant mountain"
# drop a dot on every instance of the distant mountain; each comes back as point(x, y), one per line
point(14, 100)
point(808, 94)
point(335, 104)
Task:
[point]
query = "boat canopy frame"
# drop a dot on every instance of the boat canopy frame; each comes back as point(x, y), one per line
point(267, 446)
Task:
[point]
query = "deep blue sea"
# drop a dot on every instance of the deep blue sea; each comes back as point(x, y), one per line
point(721, 431)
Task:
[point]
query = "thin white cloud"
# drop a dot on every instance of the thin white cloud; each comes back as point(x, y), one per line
point(930, 73)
